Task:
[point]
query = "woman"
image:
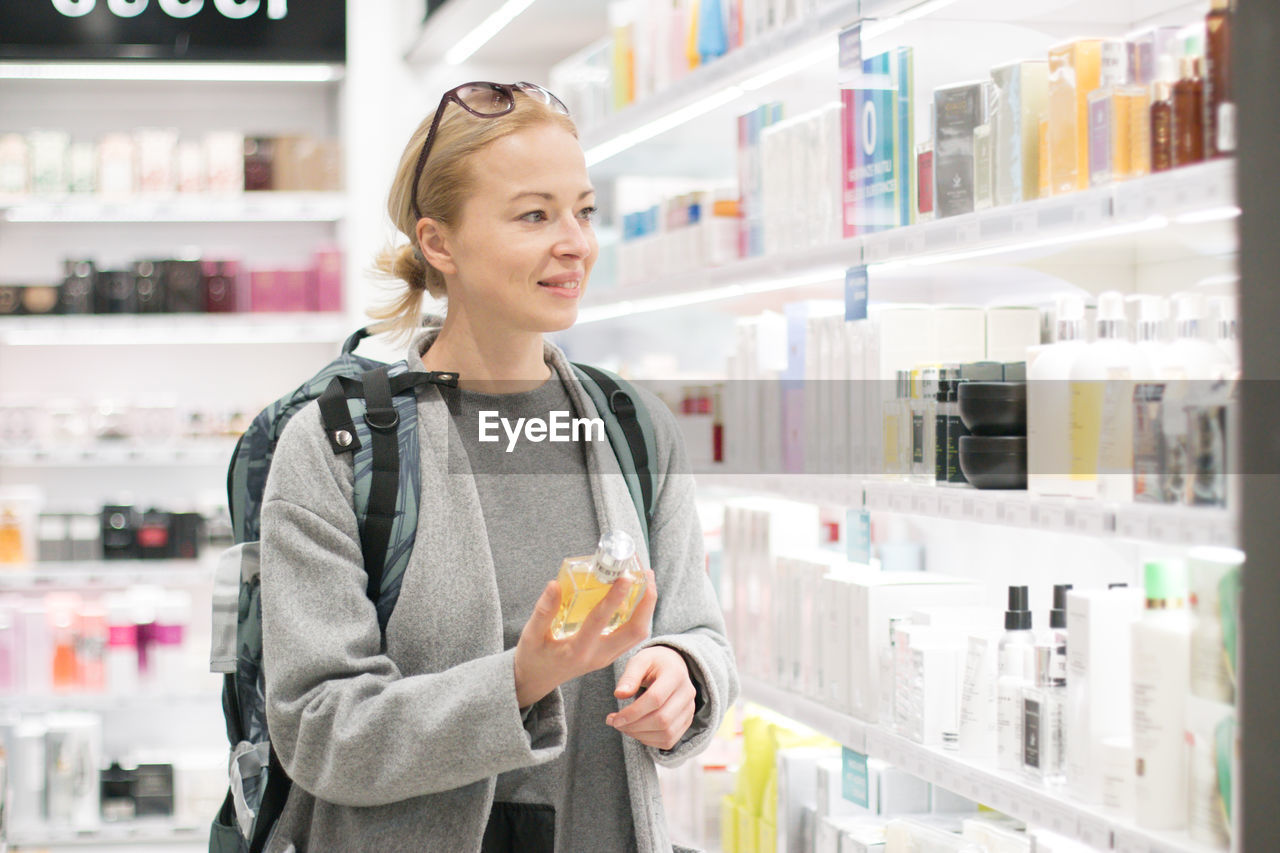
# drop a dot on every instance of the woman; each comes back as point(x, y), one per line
point(472, 728)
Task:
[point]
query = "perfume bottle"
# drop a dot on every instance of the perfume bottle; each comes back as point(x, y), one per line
point(1219, 109)
point(585, 581)
point(924, 407)
point(897, 427)
point(1188, 114)
point(1043, 725)
point(1162, 117)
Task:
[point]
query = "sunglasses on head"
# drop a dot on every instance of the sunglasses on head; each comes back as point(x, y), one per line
point(483, 100)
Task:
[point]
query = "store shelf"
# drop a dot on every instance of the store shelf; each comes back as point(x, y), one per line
point(1138, 210)
point(164, 702)
point(107, 574)
point(92, 330)
point(1005, 792)
point(249, 207)
point(178, 835)
point(1165, 525)
point(123, 454)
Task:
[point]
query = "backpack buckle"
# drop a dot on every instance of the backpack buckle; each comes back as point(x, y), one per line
point(382, 420)
point(620, 403)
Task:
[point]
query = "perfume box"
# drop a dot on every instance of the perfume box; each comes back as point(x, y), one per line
point(1075, 70)
point(1022, 90)
point(189, 165)
point(82, 167)
point(1145, 49)
point(53, 537)
point(957, 111)
point(85, 532)
point(296, 292)
point(184, 280)
point(154, 540)
point(157, 150)
point(14, 164)
point(1119, 134)
point(327, 265)
point(150, 285)
point(224, 161)
point(119, 533)
point(117, 165)
point(264, 295)
point(49, 161)
point(982, 167)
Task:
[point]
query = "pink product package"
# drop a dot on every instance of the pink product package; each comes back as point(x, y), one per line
point(264, 295)
point(327, 271)
point(295, 291)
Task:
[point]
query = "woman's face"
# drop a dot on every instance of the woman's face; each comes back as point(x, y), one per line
point(524, 246)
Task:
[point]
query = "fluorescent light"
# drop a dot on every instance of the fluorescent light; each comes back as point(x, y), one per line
point(487, 29)
point(1152, 223)
point(1213, 214)
point(700, 297)
point(231, 72)
point(660, 125)
point(874, 29)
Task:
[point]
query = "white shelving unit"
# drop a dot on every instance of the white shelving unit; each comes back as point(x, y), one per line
point(1003, 791)
point(177, 455)
point(1149, 523)
point(158, 836)
point(102, 574)
point(174, 329)
point(249, 207)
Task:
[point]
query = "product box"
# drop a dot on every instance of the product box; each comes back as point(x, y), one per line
point(14, 164)
point(924, 182)
point(957, 111)
point(157, 151)
point(982, 167)
point(879, 788)
point(1022, 99)
point(117, 169)
point(877, 144)
point(224, 160)
point(264, 294)
point(327, 265)
point(82, 167)
point(1099, 682)
point(184, 284)
point(1145, 49)
point(1075, 70)
point(876, 596)
point(1119, 134)
point(189, 162)
point(1011, 331)
point(797, 770)
point(49, 161)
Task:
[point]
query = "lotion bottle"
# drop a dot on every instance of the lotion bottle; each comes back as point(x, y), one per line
point(1161, 681)
point(1015, 668)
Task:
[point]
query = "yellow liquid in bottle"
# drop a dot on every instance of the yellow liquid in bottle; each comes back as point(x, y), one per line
point(581, 590)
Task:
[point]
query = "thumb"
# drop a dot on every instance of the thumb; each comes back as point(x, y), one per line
point(633, 676)
point(544, 610)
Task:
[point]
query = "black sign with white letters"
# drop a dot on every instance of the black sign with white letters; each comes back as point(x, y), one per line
point(234, 30)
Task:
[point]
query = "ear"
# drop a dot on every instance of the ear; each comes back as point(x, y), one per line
point(433, 241)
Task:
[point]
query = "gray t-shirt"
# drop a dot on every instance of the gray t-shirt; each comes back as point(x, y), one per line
point(538, 510)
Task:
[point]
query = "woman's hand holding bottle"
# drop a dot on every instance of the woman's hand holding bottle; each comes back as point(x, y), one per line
point(543, 663)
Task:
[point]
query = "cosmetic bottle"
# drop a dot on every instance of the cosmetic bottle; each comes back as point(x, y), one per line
point(1190, 356)
point(897, 427)
point(956, 429)
point(1015, 663)
point(1219, 108)
point(924, 384)
point(1049, 402)
point(1102, 381)
point(1188, 114)
point(1162, 115)
point(1058, 628)
point(1043, 712)
point(586, 580)
point(1214, 576)
point(1227, 336)
point(1161, 666)
point(941, 423)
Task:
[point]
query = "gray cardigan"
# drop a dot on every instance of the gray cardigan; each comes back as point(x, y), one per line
point(400, 750)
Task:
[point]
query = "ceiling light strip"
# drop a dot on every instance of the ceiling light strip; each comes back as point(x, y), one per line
point(487, 29)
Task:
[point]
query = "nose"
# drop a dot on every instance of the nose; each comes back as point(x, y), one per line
point(574, 239)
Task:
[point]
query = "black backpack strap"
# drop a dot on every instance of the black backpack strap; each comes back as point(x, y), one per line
point(272, 805)
point(382, 418)
point(622, 406)
point(350, 344)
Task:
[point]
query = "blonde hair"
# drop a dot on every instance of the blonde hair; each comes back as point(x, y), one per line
point(443, 187)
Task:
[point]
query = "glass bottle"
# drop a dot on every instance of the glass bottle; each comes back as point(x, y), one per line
point(941, 422)
point(897, 427)
point(1219, 130)
point(1188, 114)
point(1043, 728)
point(586, 580)
point(1162, 117)
point(924, 405)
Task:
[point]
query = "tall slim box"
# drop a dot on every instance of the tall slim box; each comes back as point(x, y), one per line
point(957, 111)
point(1023, 91)
point(1075, 70)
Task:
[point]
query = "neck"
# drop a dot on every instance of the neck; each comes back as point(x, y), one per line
point(486, 359)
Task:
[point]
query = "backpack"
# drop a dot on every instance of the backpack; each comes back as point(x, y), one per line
point(368, 409)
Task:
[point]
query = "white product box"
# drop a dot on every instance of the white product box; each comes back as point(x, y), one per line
point(798, 789)
point(849, 835)
point(837, 637)
point(1011, 332)
point(935, 677)
point(830, 796)
point(224, 158)
point(874, 597)
point(1099, 682)
point(960, 334)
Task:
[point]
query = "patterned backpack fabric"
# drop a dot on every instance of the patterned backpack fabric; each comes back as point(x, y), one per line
point(368, 409)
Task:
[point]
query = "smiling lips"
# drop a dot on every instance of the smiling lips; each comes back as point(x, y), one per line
point(565, 284)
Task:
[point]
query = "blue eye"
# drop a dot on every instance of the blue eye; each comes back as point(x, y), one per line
point(540, 216)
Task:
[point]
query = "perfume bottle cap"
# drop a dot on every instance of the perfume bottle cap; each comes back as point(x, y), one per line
point(615, 547)
point(1058, 615)
point(1152, 313)
point(1190, 312)
point(1070, 314)
point(1112, 320)
point(1018, 616)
